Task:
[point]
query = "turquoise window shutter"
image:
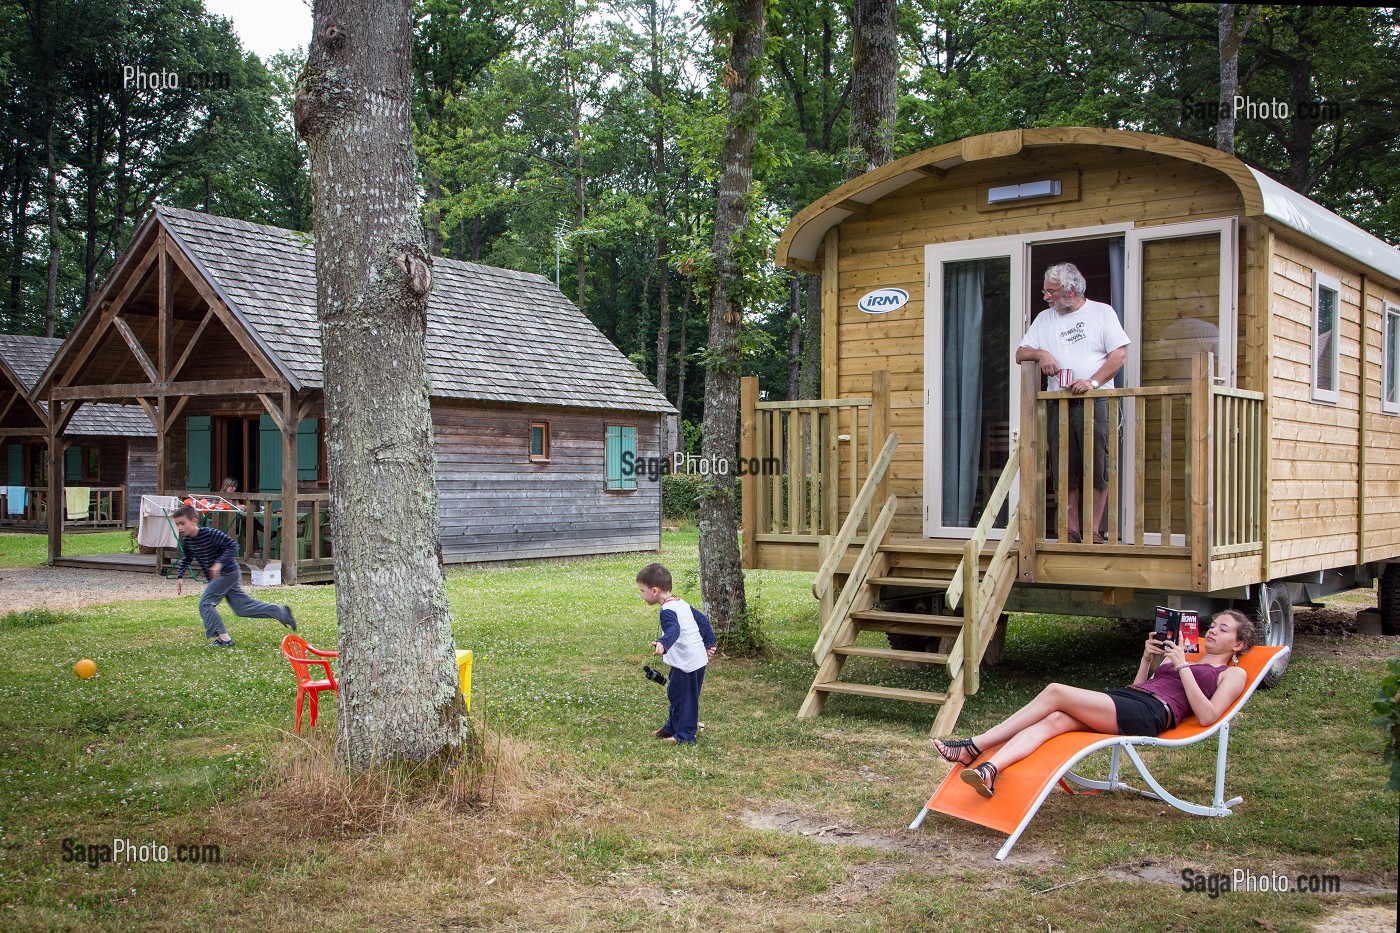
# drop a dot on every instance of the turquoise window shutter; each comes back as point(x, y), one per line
point(199, 452)
point(622, 442)
point(16, 464)
point(73, 464)
point(629, 451)
point(309, 450)
point(613, 458)
point(269, 455)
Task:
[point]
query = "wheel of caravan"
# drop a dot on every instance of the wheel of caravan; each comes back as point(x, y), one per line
point(1390, 599)
point(1273, 608)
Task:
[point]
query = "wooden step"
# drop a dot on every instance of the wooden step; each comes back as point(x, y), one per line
point(926, 583)
point(884, 693)
point(906, 623)
point(892, 654)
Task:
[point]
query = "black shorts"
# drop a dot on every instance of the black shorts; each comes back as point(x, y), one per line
point(1076, 440)
point(1139, 712)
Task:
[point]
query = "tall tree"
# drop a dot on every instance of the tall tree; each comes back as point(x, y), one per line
point(399, 696)
point(874, 84)
point(1232, 33)
point(721, 573)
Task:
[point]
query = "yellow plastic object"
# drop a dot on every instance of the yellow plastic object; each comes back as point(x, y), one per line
point(464, 670)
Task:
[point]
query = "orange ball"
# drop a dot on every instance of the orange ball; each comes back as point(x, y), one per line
point(85, 668)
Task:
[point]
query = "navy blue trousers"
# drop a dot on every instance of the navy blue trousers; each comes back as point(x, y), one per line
point(684, 692)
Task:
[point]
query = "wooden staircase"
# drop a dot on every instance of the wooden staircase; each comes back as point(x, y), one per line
point(966, 586)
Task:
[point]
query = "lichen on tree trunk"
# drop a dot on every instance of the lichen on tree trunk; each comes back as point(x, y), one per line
point(399, 696)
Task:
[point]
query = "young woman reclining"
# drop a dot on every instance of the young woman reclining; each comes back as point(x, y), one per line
point(1155, 702)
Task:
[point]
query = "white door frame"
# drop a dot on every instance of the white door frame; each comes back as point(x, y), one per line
point(1227, 362)
point(1018, 249)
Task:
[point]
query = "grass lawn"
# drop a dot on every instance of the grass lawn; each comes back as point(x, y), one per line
point(28, 550)
point(603, 828)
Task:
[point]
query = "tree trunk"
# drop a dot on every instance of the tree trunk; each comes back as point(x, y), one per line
point(794, 386)
point(658, 141)
point(680, 352)
point(20, 230)
point(812, 343)
point(1231, 38)
point(721, 573)
point(874, 78)
point(399, 695)
point(51, 194)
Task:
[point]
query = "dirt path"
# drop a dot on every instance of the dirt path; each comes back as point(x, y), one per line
point(24, 588)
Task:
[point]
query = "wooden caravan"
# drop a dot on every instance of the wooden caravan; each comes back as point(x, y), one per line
point(208, 325)
point(108, 450)
point(1254, 431)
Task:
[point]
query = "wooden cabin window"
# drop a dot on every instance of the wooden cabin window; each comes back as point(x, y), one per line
point(539, 441)
point(81, 464)
point(1390, 374)
point(1326, 348)
point(620, 458)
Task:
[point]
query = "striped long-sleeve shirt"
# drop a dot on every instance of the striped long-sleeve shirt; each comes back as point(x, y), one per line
point(211, 546)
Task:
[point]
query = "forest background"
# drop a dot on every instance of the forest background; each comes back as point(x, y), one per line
point(584, 136)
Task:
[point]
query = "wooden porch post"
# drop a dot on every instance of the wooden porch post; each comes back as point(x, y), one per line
point(880, 426)
point(748, 491)
point(290, 550)
point(1031, 455)
point(56, 459)
point(1199, 458)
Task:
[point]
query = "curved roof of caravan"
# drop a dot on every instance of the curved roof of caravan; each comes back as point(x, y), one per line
point(1262, 195)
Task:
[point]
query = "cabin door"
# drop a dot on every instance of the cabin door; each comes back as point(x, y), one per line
point(1180, 300)
point(972, 324)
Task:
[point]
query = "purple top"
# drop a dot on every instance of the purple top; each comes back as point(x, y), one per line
point(1166, 685)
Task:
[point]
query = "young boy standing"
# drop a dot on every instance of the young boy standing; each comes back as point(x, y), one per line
point(217, 553)
point(687, 643)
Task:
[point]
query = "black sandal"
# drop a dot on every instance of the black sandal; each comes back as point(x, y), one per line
point(957, 746)
point(982, 780)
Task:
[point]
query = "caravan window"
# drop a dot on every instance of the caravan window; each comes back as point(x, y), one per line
point(1326, 349)
point(1390, 374)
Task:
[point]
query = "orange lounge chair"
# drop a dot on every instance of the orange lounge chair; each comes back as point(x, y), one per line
point(1023, 787)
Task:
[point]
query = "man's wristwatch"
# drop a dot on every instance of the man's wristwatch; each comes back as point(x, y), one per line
point(1094, 383)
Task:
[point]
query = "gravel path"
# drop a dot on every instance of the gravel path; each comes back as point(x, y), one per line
point(68, 587)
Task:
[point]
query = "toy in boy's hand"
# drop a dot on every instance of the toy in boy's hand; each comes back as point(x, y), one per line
point(654, 675)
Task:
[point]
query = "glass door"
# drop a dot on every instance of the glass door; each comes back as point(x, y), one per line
point(972, 326)
point(1180, 300)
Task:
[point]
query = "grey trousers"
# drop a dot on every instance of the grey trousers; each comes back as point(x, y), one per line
point(227, 587)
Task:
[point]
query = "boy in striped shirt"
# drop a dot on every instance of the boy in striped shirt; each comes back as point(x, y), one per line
point(217, 553)
point(687, 643)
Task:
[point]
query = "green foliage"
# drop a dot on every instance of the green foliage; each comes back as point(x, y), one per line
point(1387, 710)
point(35, 618)
point(680, 496)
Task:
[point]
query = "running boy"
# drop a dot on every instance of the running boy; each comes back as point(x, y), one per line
point(217, 553)
point(687, 643)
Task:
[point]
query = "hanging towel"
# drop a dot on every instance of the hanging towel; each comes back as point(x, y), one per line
point(76, 501)
point(17, 497)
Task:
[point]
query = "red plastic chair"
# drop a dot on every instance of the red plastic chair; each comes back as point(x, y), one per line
point(296, 649)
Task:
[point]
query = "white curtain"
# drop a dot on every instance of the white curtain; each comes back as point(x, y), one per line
point(962, 388)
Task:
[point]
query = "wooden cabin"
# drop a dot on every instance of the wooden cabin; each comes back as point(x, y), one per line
point(1254, 431)
point(209, 325)
point(107, 449)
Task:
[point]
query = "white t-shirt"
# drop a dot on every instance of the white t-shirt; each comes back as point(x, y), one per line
point(1080, 341)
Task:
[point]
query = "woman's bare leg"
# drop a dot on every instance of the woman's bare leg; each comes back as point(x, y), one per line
point(1093, 709)
point(1029, 739)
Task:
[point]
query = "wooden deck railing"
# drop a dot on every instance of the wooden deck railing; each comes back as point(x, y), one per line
point(259, 528)
point(1193, 475)
point(806, 461)
point(106, 509)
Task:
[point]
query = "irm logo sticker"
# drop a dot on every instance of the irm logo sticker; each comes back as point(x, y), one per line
point(883, 300)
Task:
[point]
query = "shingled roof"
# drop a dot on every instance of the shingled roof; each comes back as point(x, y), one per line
point(494, 335)
point(27, 358)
